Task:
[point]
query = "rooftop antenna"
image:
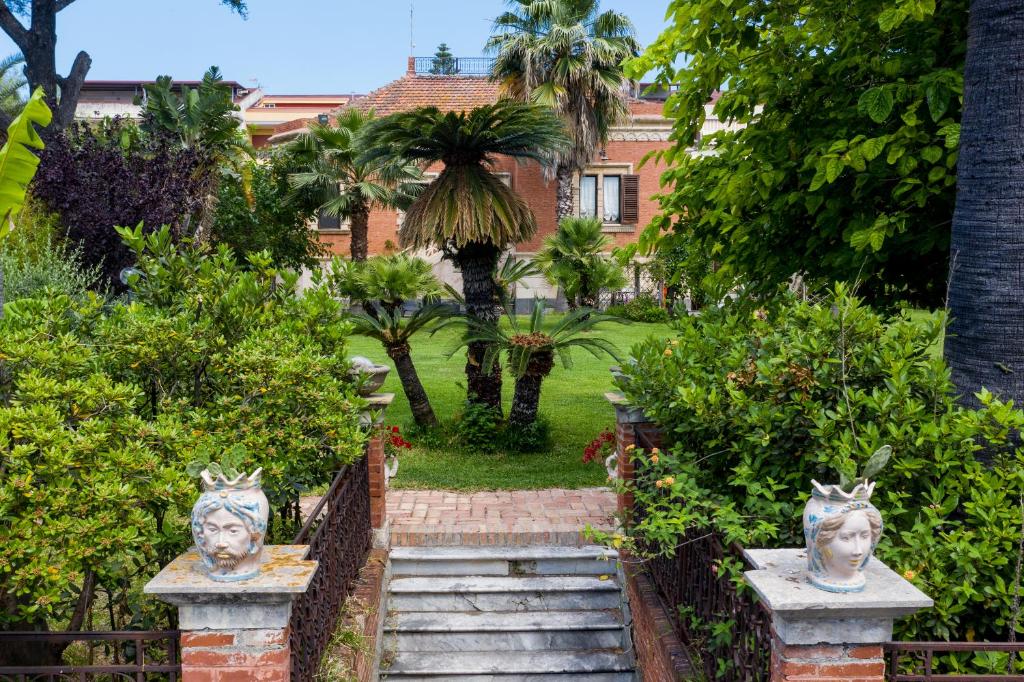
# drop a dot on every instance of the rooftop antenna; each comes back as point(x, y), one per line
point(412, 41)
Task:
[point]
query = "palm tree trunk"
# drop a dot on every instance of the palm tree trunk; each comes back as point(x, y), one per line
point(984, 346)
point(563, 204)
point(526, 398)
point(477, 261)
point(360, 234)
point(419, 403)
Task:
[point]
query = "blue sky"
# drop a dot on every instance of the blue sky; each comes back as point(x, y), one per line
point(287, 46)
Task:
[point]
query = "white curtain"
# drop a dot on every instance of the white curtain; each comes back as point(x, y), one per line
point(612, 212)
point(588, 196)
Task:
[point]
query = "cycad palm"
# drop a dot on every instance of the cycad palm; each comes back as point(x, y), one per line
point(468, 212)
point(12, 81)
point(532, 350)
point(572, 259)
point(567, 54)
point(349, 183)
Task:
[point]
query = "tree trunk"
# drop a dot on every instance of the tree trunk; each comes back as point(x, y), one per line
point(477, 261)
point(526, 398)
point(564, 205)
point(360, 236)
point(985, 345)
point(419, 403)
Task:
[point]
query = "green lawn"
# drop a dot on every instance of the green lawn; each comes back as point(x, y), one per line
point(572, 400)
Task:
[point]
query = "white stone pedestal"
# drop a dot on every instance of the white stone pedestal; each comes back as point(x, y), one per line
point(830, 635)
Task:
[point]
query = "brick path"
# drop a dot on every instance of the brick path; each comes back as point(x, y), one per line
point(520, 517)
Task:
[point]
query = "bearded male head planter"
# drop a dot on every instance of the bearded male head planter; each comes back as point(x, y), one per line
point(229, 525)
point(841, 530)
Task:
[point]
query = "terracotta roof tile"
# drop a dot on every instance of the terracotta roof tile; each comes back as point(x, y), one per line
point(447, 93)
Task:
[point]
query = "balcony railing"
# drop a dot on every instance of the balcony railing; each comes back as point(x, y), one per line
point(456, 66)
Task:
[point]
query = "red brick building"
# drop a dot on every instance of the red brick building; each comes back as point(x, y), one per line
point(614, 186)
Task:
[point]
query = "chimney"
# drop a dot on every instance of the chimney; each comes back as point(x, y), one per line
point(411, 68)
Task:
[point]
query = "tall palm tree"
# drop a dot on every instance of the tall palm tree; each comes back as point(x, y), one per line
point(350, 184)
point(204, 118)
point(468, 212)
point(12, 83)
point(572, 259)
point(984, 346)
point(568, 55)
point(382, 285)
point(532, 351)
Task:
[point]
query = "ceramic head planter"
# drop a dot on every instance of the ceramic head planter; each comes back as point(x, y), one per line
point(229, 525)
point(841, 530)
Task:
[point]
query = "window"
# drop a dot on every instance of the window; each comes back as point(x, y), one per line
point(328, 222)
point(588, 196)
point(612, 199)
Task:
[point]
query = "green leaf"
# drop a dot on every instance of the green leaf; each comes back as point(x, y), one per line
point(931, 154)
point(877, 461)
point(18, 163)
point(952, 134)
point(876, 103)
point(891, 18)
point(938, 96)
point(833, 169)
point(872, 147)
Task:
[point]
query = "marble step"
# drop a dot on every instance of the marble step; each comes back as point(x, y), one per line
point(502, 665)
point(497, 593)
point(532, 560)
point(554, 677)
point(546, 631)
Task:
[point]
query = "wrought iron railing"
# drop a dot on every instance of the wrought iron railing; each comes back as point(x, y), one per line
point(456, 66)
point(921, 661)
point(339, 536)
point(724, 626)
point(117, 655)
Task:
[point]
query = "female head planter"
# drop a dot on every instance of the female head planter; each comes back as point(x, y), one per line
point(841, 530)
point(229, 525)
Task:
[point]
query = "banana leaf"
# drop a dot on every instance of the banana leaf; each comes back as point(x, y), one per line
point(18, 163)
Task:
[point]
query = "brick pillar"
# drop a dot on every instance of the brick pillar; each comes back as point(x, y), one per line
point(824, 636)
point(627, 418)
point(234, 631)
point(375, 459)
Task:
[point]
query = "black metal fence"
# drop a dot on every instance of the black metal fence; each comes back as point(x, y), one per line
point(924, 661)
point(455, 66)
point(339, 536)
point(149, 656)
point(724, 626)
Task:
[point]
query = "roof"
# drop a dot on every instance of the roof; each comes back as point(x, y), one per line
point(447, 93)
point(131, 85)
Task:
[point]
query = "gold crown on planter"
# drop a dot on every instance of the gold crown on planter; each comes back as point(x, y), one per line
point(222, 482)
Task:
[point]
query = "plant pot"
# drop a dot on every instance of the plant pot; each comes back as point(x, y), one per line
point(841, 531)
point(369, 375)
point(229, 555)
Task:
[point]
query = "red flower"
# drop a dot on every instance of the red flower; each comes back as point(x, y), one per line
point(394, 429)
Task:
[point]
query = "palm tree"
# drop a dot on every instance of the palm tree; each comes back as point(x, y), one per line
point(531, 351)
point(572, 259)
point(351, 185)
point(568, 55)
point(382, 285)
point(206, 119)
point(12, 82)
point(468, 212)
point(986, 304)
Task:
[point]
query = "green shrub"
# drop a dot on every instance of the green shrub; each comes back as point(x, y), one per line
point(643, 308)
point(755, 406)
point(532, 437)
point(477, 428)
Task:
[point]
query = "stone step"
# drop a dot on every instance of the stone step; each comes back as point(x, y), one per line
point(502, 665)
point(496, 593)
point(547, 631)
point(530, 560)
point(555, 677)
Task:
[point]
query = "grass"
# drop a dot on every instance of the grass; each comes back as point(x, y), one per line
point(572, 400)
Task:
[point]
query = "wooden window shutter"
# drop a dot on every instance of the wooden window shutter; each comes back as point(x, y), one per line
point(630, 199)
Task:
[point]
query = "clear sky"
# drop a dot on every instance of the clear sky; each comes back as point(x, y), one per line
point(286, 46)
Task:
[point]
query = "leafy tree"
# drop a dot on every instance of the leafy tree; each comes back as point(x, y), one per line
point(444, 63)
point(532, 351)
point(573, 259)
point(270, 218)
point(204, 120)
point(985, 298)
point(38, 42)
point(382, 285)
point(96, 177)
point(467, 211)
point(568, 55)
point(333, 165)
point(846, 167)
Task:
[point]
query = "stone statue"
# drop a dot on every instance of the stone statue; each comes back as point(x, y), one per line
point(842, 530)
point(229, 525)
